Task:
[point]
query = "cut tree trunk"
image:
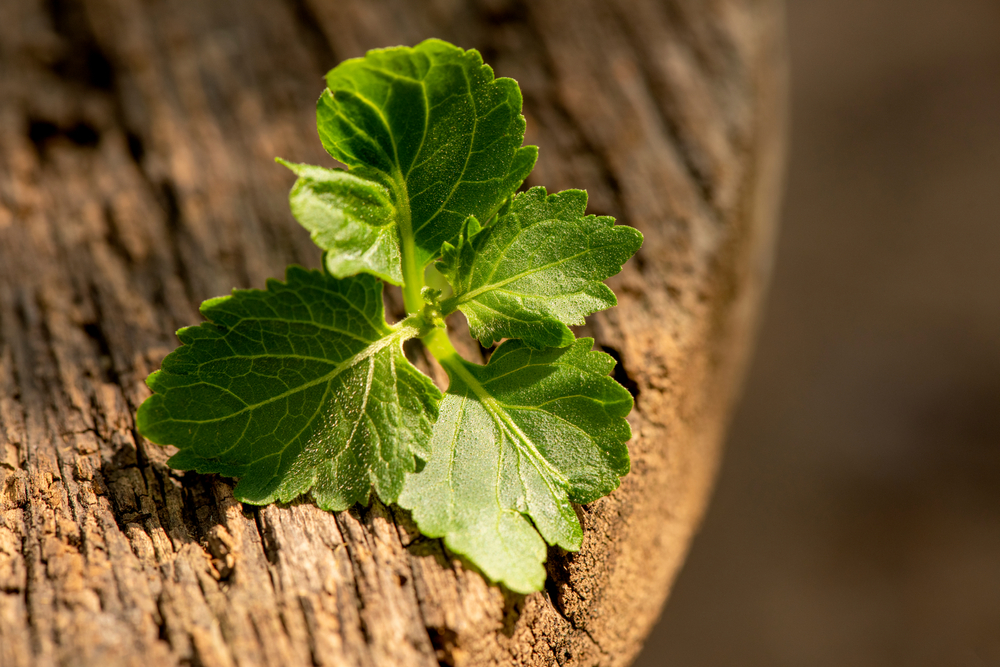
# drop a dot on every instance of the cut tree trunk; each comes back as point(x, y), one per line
point(136, 180)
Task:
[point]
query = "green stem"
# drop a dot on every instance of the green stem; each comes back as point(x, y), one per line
point(440, 346)
point(438, 343)
point(413, 274)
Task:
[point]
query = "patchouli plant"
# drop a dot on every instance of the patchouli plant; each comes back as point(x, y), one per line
point(303, 387)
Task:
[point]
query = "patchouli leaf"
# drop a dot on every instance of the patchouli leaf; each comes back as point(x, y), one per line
point(432, 125)
point(516, 442)
point(352, 218)
point(537, 269)
point(300, 387)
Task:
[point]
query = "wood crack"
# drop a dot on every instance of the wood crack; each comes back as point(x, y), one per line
point(555, 596)
point(685, 151)
point(589, 146)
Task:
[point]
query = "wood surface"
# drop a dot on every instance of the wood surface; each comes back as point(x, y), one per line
point(136, 180)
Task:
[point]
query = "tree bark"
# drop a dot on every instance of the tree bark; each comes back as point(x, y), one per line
point(136, 180)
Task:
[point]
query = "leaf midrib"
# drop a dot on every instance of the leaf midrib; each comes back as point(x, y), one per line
point(469, 296)
point(496, 410)
point(401, 334)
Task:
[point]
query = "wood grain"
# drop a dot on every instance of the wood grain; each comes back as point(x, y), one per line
point(136, 180)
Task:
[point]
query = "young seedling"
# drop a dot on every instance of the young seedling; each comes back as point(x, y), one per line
point(304, 388)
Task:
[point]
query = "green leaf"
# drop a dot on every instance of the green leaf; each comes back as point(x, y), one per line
point(537, 269)
point(432, 126)
point(299, 387)
point(353, 219)
point(519, 438)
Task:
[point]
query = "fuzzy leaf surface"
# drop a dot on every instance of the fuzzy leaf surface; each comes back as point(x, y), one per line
point(537, 269)
point(300, 387)
point(353, 219)
point(516, 442)
point(433, 126)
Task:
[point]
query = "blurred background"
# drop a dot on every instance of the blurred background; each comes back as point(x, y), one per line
point(856, 519)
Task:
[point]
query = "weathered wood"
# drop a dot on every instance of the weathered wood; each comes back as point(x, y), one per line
point(136, 179)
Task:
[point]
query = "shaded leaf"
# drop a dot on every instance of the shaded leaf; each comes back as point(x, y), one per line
point(352, 218)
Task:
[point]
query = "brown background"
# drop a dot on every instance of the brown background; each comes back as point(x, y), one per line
point(857, 515)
